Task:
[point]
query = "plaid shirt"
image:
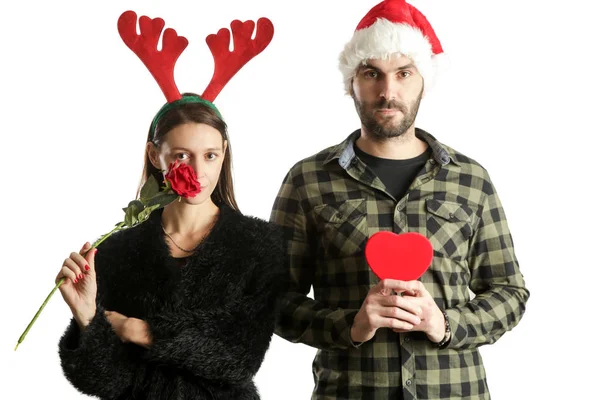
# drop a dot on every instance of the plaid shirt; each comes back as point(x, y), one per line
point(329, 204)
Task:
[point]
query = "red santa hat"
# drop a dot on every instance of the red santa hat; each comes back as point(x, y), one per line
point(392, 28)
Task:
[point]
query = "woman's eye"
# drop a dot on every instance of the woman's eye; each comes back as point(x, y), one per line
point(371, 74)
point(211, 156)
point(181, 156)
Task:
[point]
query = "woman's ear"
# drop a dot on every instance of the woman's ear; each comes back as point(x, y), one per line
point(152, 152)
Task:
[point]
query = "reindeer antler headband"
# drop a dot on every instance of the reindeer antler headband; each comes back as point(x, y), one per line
point(161, 63)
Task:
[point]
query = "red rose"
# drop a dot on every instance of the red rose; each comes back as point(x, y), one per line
point(183, 180)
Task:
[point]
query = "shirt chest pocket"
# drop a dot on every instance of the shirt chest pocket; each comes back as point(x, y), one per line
point(343, 228)
point(449, 227)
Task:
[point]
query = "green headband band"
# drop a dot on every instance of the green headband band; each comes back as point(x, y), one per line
point(183, 100)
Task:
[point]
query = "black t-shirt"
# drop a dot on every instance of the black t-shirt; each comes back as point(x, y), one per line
point(180, 261)
point(396, 175)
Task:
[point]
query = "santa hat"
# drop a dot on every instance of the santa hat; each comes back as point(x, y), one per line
point(392, 27)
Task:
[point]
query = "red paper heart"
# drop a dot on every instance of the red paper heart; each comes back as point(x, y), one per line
point(404, 256)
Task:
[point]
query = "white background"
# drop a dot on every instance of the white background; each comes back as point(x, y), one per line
point(520, 97)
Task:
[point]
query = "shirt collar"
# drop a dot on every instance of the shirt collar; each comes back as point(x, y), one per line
point(345, 154)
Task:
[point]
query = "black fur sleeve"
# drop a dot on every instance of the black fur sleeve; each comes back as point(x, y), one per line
point(92, 360)
point(227, 343)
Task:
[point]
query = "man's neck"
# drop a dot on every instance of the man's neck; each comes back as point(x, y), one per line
point(403, 147)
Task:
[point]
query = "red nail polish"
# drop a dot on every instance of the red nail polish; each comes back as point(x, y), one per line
point(75, 280)
point(87, 267)
point(95, 251)
point(80, 276)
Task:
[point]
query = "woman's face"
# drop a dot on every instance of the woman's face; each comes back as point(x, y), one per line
point(201, 147)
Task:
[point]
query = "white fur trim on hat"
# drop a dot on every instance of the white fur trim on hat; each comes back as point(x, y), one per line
point(383, 40)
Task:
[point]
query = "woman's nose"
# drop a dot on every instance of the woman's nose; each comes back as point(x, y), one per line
point(199, 168)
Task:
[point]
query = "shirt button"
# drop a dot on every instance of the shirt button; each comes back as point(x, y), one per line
point(408, 382)
point(451, 215)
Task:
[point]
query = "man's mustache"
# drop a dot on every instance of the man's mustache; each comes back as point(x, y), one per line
point(390, 105)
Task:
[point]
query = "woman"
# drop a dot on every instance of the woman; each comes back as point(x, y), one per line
point(183, 305)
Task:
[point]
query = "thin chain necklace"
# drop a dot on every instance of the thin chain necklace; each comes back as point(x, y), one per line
point(172, 240)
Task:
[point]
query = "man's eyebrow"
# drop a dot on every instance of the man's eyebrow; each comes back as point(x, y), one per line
point(370, 66)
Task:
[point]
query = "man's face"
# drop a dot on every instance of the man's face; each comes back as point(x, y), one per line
point(387, 94)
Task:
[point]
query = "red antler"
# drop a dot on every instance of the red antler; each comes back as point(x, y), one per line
point(161, 64)
point(228, 63)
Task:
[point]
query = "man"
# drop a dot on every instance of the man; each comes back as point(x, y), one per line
point(395, 339)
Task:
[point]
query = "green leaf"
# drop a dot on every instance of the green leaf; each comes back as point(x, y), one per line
point(136, 205)
point(167, 187)
point(162, 199)
point(145, 214)
point(130, 218)
point(149, 189)
point(132, 211)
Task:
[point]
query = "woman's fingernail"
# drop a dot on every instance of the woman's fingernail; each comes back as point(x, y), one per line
point(87, 267)
point(75, 280)
point(95, 251)
point(80, 276)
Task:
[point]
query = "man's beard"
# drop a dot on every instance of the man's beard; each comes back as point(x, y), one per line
point(386, 130)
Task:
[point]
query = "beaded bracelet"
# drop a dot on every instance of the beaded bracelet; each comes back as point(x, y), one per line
point(447, 336)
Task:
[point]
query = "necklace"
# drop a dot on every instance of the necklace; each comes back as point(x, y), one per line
point(172, 240)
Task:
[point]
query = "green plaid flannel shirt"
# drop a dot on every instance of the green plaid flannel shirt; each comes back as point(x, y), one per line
point(328, 205)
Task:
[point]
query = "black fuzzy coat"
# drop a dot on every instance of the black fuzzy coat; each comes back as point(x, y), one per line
point(211, 320)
